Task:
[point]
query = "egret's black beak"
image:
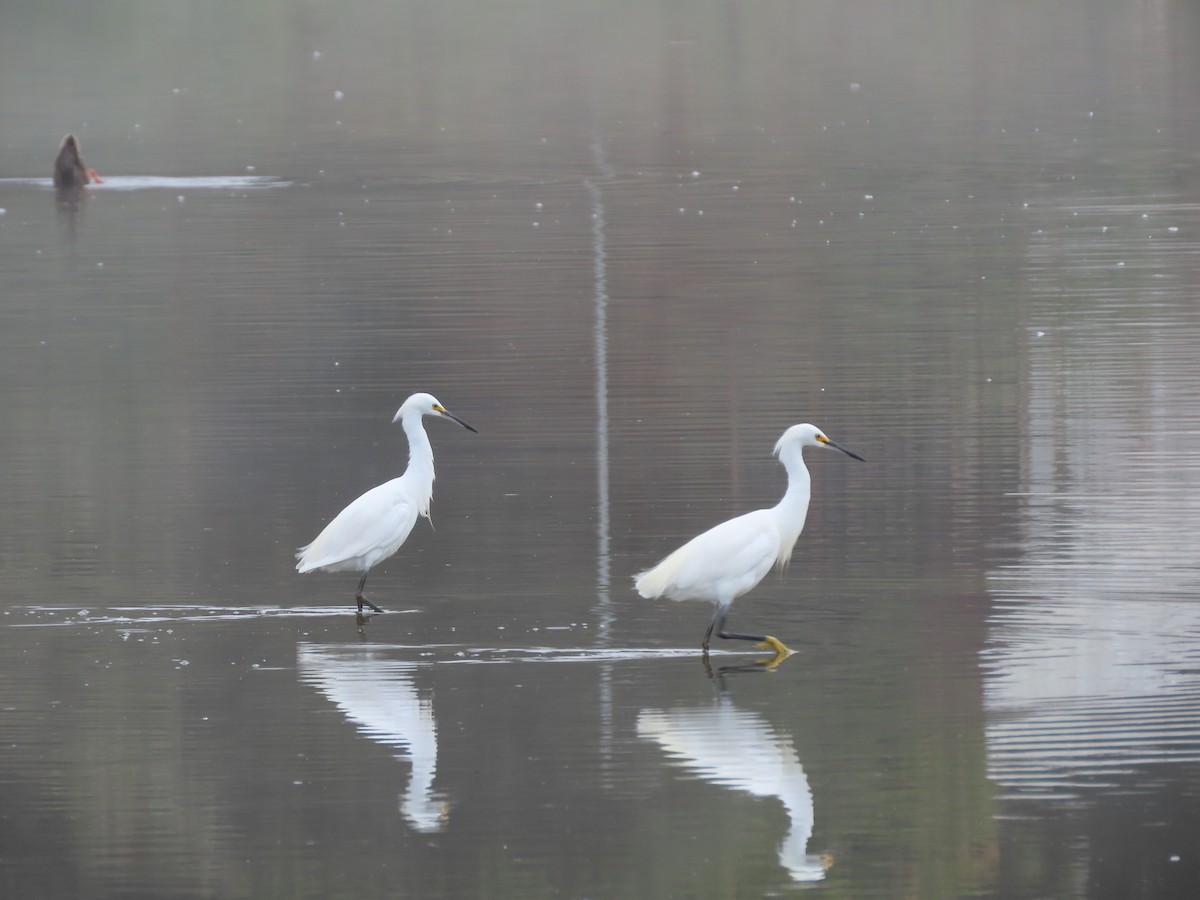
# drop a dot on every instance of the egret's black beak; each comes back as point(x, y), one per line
point(450, 415)
point(829, 443)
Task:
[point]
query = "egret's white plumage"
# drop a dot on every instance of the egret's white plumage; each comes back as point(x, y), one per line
point(729, 559)
point(374, 526)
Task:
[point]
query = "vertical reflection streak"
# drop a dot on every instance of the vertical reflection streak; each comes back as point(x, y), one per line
point(604, 613)
point(600, 347)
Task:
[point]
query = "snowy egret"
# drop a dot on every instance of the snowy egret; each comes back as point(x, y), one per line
point(69, 170)
point(375, 525)
point(729, 559)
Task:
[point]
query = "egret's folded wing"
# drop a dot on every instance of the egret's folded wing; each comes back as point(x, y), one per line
point(370, 529)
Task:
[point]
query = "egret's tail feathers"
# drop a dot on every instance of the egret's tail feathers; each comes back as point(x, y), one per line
point(642, 584)
point(656, 581)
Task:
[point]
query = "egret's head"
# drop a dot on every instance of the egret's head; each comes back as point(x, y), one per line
point(422, 404)
point(809, 436)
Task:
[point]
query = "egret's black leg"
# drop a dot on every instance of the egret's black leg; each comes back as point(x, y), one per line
point(718, 622)
point(738, 636)
point(361, 599)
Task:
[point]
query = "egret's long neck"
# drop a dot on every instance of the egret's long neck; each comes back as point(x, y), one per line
point(793, 849)
point(792, 509)
point(799, 482)
point(420, 462)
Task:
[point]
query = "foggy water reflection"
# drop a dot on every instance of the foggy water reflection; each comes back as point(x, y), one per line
point(738, 749)
point(1094, 644)
point(377, 693)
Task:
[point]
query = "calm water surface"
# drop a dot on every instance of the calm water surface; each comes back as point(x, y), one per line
point(630, 244)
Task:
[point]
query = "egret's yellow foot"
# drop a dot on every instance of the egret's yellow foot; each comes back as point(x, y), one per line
point(774, 643)
point(780, 649)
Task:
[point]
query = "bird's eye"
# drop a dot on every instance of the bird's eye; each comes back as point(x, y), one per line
point(437, 408)
point(822, 439)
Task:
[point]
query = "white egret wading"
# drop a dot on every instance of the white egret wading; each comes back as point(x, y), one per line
point(375, 525)
point(730, 559)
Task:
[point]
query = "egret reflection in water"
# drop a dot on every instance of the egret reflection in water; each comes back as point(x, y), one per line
point(378, 695)
point(738, 749)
